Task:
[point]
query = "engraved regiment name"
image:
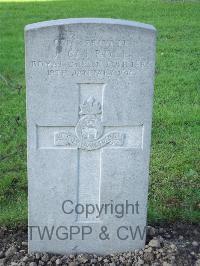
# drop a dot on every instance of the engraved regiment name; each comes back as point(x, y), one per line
point(89, 130)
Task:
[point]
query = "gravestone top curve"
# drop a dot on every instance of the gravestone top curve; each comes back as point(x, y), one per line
point(110, 21)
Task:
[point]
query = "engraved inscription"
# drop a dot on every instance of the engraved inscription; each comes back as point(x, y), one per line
point(90, 56)
point(89, 130)
point(96, 68)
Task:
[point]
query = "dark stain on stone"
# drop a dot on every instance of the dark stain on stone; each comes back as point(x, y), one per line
point(60, 39)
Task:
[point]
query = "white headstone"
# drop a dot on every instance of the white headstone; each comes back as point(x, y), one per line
point(89, 108)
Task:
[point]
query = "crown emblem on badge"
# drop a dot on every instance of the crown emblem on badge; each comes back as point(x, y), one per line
point(90, 107)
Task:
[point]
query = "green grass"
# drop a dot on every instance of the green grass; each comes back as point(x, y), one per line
point(174, 187)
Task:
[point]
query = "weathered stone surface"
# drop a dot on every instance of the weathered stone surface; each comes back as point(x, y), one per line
point(89, 108)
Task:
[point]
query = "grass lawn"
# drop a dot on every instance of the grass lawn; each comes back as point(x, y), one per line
point(174, 187)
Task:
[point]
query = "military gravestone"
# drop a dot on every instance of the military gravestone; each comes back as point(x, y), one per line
point(89, 108)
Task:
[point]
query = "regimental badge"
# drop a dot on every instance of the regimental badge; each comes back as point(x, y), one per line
point(89, 130)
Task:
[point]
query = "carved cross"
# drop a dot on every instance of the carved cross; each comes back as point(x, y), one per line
point(90, 138)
